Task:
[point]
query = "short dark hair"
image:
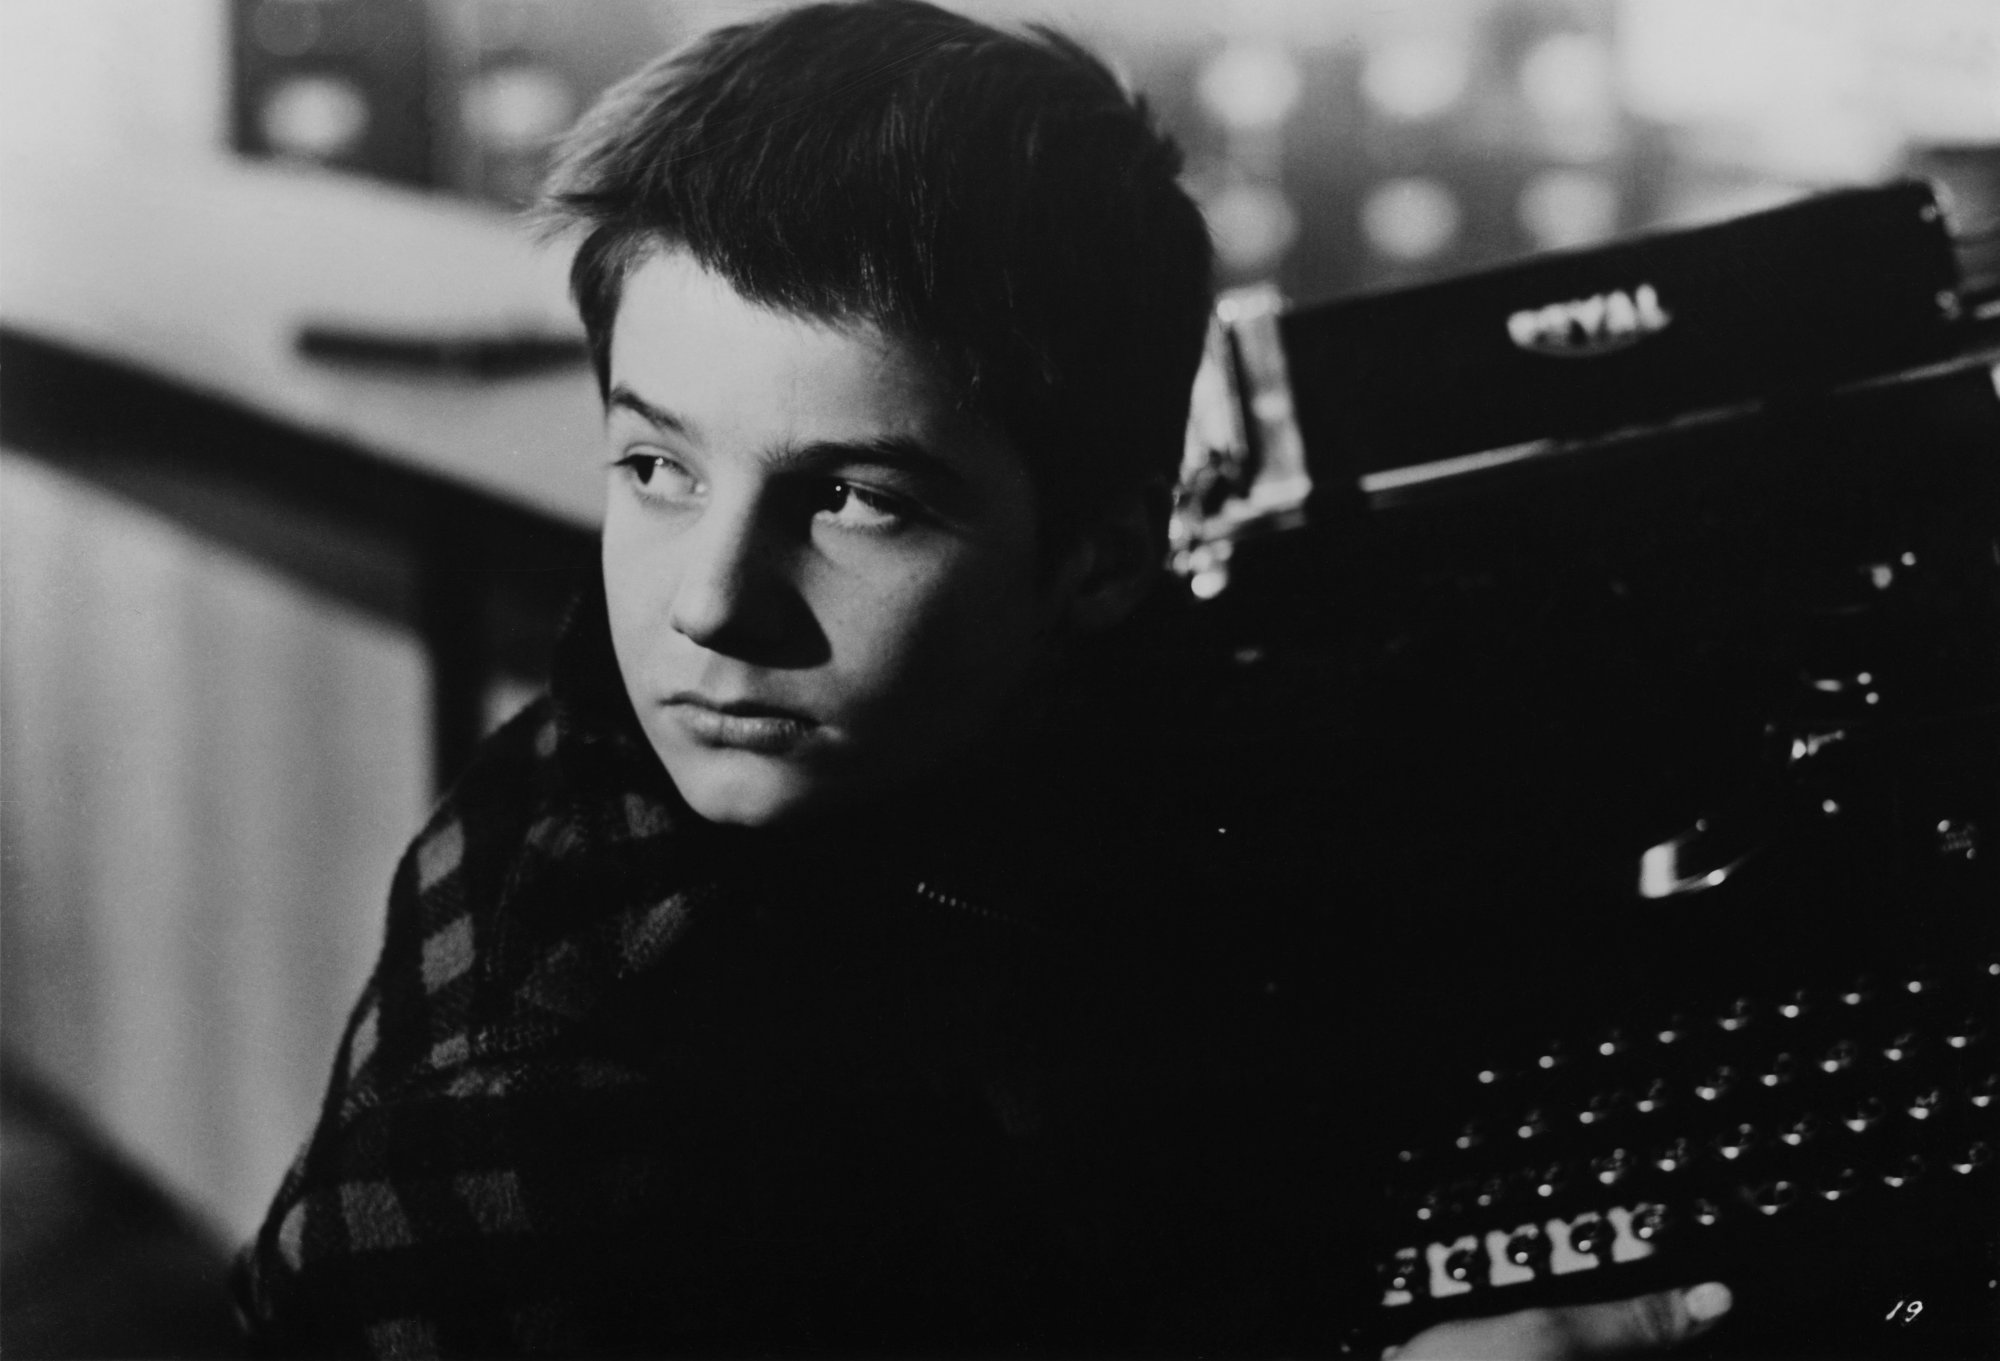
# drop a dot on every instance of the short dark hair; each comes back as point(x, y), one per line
point(997, 199)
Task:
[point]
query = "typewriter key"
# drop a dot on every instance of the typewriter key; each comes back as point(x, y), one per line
point(1928, 1103)
point(1717, 1084)
point(1977, 1156)
point(1802, 1130)
point(1404, 1272)
point(1466, 1265)
point(1866, 1114)
point(1774, 1197)
point(1736, 1141)
point(1906, 1171)
point(1527, 1247)
point(1674, 1155)
point(1613, 1167)
point(1964, 1033)
point(1602, 1106)
point(1590, 1235)
point(1651, 1222)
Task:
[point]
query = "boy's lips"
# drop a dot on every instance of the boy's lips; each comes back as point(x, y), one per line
point(746, 725)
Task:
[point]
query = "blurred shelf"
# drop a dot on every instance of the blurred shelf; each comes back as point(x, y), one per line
point(206, 273)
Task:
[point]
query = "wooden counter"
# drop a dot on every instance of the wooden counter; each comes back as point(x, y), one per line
point(203, 273)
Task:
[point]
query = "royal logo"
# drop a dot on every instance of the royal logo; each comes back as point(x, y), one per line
point(1590, 326)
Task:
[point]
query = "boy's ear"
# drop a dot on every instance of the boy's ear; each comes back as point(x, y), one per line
point(1116, 559)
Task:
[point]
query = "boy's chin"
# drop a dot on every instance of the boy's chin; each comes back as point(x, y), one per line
point(749, 789)
point(740, 790)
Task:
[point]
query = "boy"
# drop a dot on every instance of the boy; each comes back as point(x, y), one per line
point(829, 964)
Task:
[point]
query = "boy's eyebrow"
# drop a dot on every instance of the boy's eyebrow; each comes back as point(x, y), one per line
point(899, 453)
point(624, 398)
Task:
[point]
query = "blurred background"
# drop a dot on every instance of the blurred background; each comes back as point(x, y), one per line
point(297, 444)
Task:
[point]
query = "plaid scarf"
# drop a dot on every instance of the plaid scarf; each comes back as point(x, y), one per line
point(625, 1082)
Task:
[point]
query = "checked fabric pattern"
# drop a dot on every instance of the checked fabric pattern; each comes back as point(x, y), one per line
point(514, 912)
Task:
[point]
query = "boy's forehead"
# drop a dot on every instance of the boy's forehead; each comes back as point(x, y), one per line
point(678, 322)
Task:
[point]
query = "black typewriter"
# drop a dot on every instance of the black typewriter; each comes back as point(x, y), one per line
point(1656, 686)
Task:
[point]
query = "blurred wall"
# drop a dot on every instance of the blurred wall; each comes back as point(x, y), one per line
point(206, 769)
point(208, 773)
point(114, 79)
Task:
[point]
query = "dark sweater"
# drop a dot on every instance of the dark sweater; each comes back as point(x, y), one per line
point(1012, 1065)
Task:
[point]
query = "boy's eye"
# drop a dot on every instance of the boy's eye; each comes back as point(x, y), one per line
point(852, 507)
point(659, 477)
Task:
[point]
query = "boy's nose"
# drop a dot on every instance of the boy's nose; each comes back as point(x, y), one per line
point(730, 595)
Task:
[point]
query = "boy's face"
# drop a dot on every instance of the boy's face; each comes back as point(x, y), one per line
point(823, 581)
